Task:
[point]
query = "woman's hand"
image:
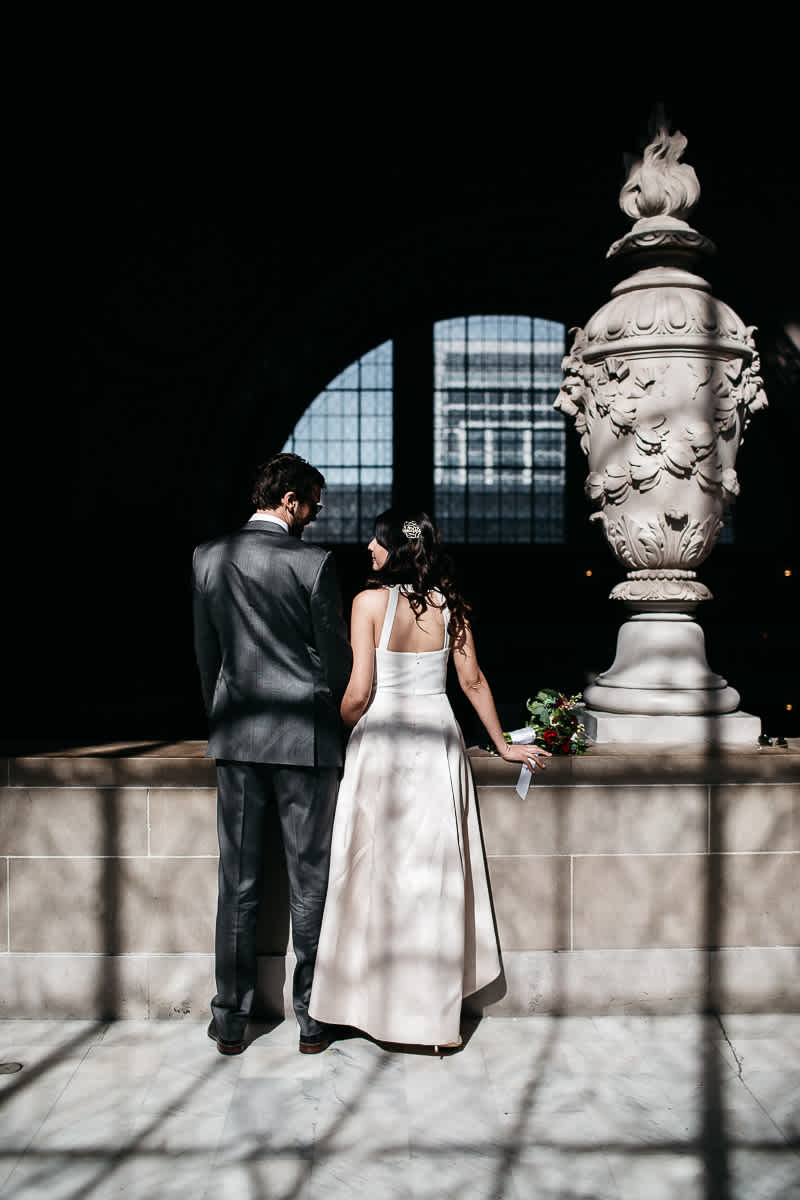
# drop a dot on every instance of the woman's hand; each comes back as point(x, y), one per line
point(530, 756)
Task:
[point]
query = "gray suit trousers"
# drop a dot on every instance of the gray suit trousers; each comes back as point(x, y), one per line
point(306, 802)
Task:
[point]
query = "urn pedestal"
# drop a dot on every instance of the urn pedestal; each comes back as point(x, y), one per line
point(661, 383)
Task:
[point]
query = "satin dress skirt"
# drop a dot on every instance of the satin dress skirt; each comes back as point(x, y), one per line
point(407, 930)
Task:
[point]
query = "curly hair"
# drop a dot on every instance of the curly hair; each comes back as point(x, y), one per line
point(421, 565)
point(281, 474)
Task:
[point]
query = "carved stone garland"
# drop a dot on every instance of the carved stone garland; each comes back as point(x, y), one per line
point(661, 383)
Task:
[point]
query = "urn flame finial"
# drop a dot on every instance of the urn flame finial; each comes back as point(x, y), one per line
point(660, 185)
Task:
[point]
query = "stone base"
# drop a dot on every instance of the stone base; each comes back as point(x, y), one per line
point(728, 729)
point(747, 979)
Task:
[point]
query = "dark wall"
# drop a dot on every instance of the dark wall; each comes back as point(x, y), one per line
point(193, 306)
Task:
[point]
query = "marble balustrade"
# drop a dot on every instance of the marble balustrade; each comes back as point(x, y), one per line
point(626, 881)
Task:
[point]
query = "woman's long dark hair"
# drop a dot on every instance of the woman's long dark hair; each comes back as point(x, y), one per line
point(420, 564)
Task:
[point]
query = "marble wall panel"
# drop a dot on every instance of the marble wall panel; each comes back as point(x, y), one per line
point(595, 982)
point(183, 821)
point(594, 819)
point(66, 821)
point(754, 979)
point(173, 986)
point(73, 985)
point(599, 982)
point(531, 897)
point(638, 901)
point(179, 985)
point(183, 894)
point(759, 899)
point(753, 816)
point(89, 905)
point(4, 904)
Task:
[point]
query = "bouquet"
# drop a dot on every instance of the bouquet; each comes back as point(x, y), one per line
point(556, 722)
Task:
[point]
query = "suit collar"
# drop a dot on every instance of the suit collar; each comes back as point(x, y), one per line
point(269, 519)
point(264, 527)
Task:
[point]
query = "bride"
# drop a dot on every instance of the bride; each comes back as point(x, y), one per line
point(408, 929)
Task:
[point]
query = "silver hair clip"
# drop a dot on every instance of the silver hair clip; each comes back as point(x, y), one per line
point(412, 530)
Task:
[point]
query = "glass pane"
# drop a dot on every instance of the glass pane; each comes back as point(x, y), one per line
point(347, 433)
point(499, 446)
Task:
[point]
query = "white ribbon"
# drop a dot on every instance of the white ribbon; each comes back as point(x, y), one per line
point(523, 737)
point(524, 782)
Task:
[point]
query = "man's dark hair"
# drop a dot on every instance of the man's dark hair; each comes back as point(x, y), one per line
point(281, 474)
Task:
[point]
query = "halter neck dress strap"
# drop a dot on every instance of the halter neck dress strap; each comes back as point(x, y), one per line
point(388, 619)
point(446, 618)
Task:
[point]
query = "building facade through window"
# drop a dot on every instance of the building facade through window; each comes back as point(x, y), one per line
point(499, 447)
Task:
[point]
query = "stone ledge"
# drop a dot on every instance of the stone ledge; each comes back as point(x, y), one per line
point(663, 765)
point(182, 764)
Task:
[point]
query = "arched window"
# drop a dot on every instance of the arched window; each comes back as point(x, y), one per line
point(346, 432)
point(499, 447)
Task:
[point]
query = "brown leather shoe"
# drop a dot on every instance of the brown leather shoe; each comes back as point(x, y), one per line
point(314, 1043)
point(223, 1046)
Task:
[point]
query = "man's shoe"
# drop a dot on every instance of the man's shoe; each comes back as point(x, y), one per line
point(314, 1043)
point(223, 1046)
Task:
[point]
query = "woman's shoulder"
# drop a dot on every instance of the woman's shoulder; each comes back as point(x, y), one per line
point(370, 600)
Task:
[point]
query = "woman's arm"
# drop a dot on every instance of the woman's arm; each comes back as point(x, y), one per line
point(362, 639)
point(475, 687)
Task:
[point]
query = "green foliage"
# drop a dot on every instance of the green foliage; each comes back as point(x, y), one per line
point(555, 718)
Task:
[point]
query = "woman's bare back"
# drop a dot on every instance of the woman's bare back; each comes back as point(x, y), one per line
point(412, 635)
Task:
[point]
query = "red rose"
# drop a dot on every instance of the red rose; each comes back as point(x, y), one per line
point(550, 737)
point(565, 747)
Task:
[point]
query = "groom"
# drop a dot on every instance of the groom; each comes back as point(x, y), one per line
point(274, 660)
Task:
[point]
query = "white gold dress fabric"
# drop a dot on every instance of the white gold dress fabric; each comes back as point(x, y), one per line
point(408, 928)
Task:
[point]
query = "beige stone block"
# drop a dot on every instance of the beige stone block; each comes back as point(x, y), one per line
point(169, 905)
point(92, 986)
point(760, 899)
point(755, 816)
point(524, 989)
point(113, 905)
point(637, 901)
point(68, 821)
point(4, 904)
point(595, 820)
point(653, 981)
point(595, 983)
point(180, 985)
point(183, 821)
point(758, 979)
point(531, 901)
point(111, 768)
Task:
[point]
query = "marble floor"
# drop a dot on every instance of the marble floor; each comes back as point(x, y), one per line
point(540, 1108)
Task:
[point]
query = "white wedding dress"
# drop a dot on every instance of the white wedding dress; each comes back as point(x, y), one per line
point(408, 928)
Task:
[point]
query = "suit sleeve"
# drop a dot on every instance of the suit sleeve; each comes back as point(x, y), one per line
point(206, 642)
point(330, 632)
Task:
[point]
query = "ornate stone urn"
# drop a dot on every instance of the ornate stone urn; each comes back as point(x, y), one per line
point(661, 383)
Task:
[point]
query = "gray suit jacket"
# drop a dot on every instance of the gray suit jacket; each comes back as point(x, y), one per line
point(271, 646)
